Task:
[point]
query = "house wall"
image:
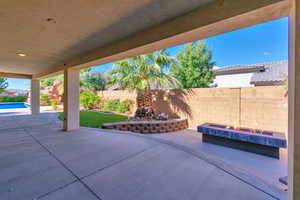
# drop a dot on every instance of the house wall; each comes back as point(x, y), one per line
point(233, 80)
point(253, 107)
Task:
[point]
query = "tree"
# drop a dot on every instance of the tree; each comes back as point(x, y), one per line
point(3, 84)
point(49, 82)
point(54, 85)
point(144, 73)
point(58, 80)
point(91, 81)
point(85, 70)
point(94, 81)
point(194, 68)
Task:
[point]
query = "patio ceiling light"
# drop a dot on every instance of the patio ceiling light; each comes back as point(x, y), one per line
point(21, 54)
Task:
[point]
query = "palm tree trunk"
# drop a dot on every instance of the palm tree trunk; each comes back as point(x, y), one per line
point(145, 100)
point(145, 107)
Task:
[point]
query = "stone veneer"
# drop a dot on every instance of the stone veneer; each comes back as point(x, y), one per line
point(261, 142)
point(149, 127)
point(276, 139)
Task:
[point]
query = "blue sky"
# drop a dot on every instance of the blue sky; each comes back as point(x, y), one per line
point(257, 44)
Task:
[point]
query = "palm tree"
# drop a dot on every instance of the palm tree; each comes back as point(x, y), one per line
point(144, 73)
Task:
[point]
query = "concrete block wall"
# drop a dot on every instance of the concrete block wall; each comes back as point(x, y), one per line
point(262, 107)
point(265, 108)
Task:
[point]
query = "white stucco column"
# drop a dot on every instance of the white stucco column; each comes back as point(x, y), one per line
point(71, 99)
point(35, 97)
point(294, 102)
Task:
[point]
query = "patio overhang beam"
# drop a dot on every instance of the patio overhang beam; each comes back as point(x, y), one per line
point(213, 19)
point(13, 75)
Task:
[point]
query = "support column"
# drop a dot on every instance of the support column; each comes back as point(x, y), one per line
point(294, 102)
point(71, 99)
point(35, 97)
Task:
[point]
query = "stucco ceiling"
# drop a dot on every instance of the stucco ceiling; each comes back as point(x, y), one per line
point(50, 32)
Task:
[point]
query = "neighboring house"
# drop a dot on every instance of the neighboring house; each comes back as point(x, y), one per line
point(7, 93)
point(14, 93)
point(265, 74)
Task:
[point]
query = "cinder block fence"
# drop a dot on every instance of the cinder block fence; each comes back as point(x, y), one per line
point(253, 107)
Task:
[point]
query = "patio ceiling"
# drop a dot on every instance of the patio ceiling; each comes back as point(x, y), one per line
point(57, 34)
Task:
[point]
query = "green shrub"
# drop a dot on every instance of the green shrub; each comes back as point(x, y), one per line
point(13, 99)
point(54, 104)
point(89, 100)
point(45, 100)
point(125, 106)
point(111, 105)
point(118, 106)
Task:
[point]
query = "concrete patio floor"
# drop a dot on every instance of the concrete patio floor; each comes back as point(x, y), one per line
point(266, 168)
point(39, 161)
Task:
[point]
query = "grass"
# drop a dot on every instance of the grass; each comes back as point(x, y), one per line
point(95, 120)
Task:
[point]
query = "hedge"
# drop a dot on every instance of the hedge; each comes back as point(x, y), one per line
point(13, 99)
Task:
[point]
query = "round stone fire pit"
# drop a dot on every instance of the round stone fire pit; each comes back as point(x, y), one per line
point(148, 127)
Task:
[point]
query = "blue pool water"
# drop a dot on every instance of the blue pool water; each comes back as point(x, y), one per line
point(13, 105)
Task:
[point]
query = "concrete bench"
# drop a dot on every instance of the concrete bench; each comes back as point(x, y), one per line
point(284, 180)
point(261, 142)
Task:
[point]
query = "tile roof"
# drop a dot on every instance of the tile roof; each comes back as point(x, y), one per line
point(274, 72)
point(262, 73)
point(237, 69)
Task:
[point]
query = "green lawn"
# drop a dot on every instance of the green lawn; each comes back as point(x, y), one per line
point(95, 120)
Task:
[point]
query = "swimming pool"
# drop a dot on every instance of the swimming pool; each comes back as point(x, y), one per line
point(13, 105)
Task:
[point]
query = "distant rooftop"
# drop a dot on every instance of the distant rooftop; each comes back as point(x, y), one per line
point(274, 72)
point(271, 72)
point(238, 69)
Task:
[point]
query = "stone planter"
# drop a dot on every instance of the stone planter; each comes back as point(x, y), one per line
point(149, 127)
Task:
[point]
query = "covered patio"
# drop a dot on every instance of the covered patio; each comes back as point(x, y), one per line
point(39, 161)
point(46, 38)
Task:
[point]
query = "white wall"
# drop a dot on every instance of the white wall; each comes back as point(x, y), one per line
point(233, 80)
